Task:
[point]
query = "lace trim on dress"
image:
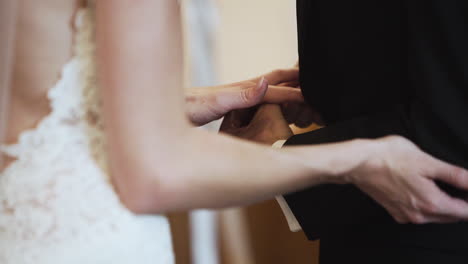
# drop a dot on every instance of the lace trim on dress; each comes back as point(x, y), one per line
point(70, 107)
point(57, 204)
point(62, 142)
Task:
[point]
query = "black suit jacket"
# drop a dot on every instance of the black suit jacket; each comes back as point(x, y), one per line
point(377, 68)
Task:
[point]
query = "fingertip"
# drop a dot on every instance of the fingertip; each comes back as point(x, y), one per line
point(461, 177)
point(458, 208)
point(254, 94)
point(450, 174)
point(281, 95)
point(263, 82)
point(464, 174)
point(293, 95)
point(262, 87)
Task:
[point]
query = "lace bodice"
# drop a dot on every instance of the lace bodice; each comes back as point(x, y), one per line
point(75, 104)
point(57, 203)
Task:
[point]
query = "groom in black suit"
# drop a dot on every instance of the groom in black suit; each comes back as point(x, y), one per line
point(373, 68)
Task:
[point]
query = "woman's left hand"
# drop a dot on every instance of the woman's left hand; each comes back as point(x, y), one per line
point(402, 178)
point(207, 104)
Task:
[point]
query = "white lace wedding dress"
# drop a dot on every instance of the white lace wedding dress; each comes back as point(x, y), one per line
point(57, 205)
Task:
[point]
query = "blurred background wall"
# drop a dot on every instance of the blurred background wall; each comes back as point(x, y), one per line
point(248, 38)
point(255, 37)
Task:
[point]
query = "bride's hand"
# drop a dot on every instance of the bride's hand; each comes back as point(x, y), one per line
point(206, 104)
point(401, 178)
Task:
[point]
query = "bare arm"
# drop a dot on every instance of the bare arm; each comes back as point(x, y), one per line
point(158, 162)
point(206, 104)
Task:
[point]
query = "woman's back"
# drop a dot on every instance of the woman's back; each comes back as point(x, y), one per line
point(57, 203)
point(44, 43)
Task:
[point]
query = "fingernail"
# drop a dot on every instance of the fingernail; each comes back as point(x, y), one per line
point(262, 81)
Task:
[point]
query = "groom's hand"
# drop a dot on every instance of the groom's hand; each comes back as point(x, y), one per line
point(298, 113)
point(267, 125)
point(207, 104)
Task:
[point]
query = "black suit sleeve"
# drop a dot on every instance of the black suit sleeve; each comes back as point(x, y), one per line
point(328, 209)
point(331, 208)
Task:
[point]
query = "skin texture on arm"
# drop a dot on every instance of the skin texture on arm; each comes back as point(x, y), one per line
point(158, 162)
point(206, 104)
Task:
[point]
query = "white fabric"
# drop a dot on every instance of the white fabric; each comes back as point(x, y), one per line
point(201, 25)
point(57, 204)
point(294, 225)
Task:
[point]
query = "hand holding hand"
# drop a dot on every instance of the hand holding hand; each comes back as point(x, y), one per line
point(297, 113)
point(207, 104)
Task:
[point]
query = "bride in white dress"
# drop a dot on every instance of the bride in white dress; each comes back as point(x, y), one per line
point(57, 201)
point(77, 191)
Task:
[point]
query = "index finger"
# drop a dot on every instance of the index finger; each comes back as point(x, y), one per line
point(281, 76)
point(281, 94)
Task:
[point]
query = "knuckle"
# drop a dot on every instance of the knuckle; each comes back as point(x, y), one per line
point(279, 72)
point(392, 137)
point(433, 206)
point(414, 203)
point(418, 206)
point(400, 220)
point(395, 139)
point(245, 96)
point(417, 218)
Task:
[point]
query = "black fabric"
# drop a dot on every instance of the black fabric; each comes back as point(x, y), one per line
point(399, 246)
point(352, 56)
point(375, 68)
point(325, 209)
